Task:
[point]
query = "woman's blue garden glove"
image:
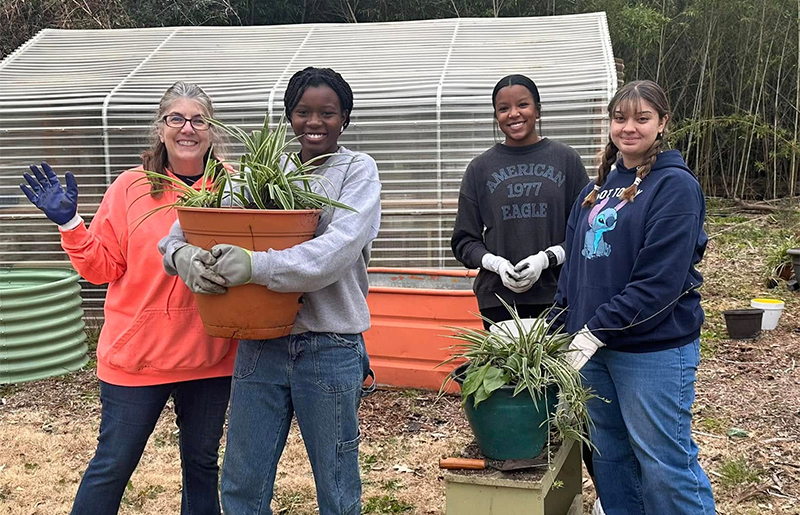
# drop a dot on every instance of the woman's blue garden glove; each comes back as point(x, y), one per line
point(234, 264)
point(46, 193)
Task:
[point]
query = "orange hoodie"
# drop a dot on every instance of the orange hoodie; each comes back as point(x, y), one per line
point(152, 332)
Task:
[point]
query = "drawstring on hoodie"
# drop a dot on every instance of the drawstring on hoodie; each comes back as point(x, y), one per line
point(169, 295)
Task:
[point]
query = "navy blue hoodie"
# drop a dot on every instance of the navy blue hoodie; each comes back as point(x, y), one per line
point(629, 274)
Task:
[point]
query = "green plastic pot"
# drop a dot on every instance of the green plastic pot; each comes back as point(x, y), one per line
point(508, 427)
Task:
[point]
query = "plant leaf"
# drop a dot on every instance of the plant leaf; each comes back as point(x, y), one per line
point(494, 379)
point(481, 395)
point(473, 380)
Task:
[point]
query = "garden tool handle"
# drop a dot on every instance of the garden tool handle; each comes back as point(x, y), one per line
point(462, 463)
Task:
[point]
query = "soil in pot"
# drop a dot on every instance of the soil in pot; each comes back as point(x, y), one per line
point(743, 324)
point(508, 427)
point(250, 311)
point(473, 451)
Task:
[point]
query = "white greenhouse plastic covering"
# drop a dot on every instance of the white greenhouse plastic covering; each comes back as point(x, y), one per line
point(83, 100)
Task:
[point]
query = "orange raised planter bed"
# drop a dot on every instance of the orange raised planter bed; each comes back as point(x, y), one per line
point(410, 311)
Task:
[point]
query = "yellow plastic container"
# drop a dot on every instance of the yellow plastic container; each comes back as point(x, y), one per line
point(772, 312)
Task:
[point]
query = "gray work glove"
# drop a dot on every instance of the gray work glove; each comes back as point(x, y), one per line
point(233, 264)
point(192, 264)
point(504, 268)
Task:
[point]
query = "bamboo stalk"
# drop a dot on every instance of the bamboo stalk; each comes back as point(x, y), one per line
point(741, 177)
point(661, 42)
point(698, 96)
point(775, 134)
point(793, 171)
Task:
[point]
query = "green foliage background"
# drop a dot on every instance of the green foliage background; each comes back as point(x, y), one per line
point(730, 66)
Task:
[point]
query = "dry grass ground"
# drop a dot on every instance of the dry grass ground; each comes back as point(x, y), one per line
point(747, 416)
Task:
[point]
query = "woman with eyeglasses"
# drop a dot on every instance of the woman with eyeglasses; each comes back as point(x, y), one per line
point(152, 345)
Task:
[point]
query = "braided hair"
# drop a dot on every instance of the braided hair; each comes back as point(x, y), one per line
point(311, 77)
point(628, 99)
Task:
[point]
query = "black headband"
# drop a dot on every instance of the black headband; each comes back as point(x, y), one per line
point(521, 80)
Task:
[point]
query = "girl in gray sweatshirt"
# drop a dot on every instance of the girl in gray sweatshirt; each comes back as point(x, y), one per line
point(316, 372)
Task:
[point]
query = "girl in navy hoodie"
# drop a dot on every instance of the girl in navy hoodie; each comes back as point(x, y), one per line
point(629, 290)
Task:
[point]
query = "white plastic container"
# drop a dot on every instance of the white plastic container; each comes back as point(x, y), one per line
point(772, 312)
point(528, 325)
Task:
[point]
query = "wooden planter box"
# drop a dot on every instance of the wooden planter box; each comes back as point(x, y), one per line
point(500, 494)
point(410, 310)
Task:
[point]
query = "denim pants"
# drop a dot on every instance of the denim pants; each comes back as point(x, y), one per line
point(647, 461)
point(316, 376)
point(128, 417)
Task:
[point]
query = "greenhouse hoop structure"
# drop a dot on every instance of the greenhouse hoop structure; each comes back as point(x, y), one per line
point(83, 100)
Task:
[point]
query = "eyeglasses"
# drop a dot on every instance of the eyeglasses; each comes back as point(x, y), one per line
point(177, 121)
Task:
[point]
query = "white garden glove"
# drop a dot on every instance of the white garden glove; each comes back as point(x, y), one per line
point(192, 264)
point(582, 348)
point(504, 268)
point(234, 264)
point(530, 268)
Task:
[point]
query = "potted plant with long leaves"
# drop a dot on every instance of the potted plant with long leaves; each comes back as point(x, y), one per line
point(517, 386)
point(269, 203)
point(782, 261)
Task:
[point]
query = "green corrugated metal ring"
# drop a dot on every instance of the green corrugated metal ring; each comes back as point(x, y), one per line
point(41, 325)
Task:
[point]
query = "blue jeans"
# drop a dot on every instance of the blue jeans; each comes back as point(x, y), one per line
point(647, 461)
point(316, 376)
point(128, 417)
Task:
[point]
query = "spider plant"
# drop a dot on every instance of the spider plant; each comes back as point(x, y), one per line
point(529, 358)
point(269, 176)
point(210, 194)
point(778, 258)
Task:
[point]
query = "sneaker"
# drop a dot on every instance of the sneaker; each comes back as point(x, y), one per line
point(598, 508)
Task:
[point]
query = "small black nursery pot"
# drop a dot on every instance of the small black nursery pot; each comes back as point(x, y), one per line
point(743, 324)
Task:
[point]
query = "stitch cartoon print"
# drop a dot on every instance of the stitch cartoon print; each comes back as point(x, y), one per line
point(601, 221)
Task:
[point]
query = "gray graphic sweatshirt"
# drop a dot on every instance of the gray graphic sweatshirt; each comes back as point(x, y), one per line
point(515, 202)
point(331, 268)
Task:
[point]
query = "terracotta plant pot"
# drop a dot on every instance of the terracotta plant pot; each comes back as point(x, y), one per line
point(248, 312)
point(784, 271)
point(743, 324)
